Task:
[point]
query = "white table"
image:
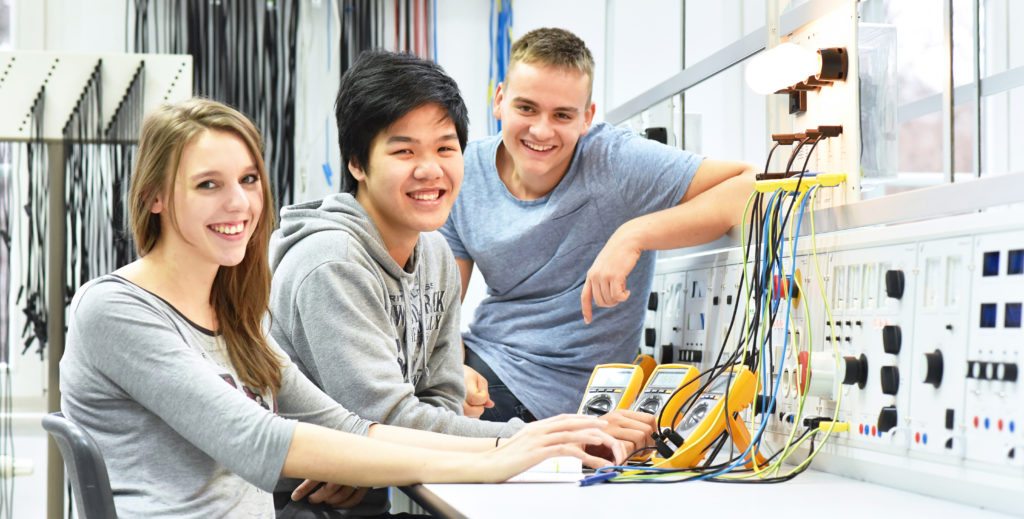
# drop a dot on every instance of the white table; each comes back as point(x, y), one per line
point(811, 494)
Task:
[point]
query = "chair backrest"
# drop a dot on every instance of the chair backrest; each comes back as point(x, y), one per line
point(85, 467)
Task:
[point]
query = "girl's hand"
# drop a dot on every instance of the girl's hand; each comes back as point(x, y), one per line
point(564, 435)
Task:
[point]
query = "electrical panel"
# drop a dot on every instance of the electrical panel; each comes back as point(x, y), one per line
point(920, 349)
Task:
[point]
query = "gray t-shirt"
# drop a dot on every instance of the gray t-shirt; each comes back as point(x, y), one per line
point(180, 434)
point(534, 256)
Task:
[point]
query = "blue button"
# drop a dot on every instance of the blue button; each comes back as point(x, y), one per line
point(1013, 426)
point(1015, 262)
point(986, 423)
point(990, 264)
point(924, 438)
point(988, 315)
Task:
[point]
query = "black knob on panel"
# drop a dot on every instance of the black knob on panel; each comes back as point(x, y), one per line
point(650, 336)
point(894, 283)
point(666, 354)
point(892, 338)
point(856, 371)
point(971, 367)
point(890, 380)
point(933, 368)
point(652, 302)
point(1009, 372)
point(979, 370)
point(887, 418)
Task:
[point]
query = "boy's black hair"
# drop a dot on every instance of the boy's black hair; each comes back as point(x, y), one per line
point(380, 88)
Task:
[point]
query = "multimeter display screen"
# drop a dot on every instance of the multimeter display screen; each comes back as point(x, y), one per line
point(668, 378)
point(611, 377)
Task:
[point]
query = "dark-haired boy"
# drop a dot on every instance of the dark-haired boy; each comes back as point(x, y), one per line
point(365, 297)
point(365, 294)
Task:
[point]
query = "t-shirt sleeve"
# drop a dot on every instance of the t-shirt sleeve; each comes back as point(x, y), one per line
point(343, 314)
point(451, 234)
point(650, 176)
point(300, 399)
point(134, 345)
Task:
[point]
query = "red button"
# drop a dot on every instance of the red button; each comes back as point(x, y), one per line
point(917, 437)
point(1000, 424)
point(874, 430)
point(975, 422)
point(861, 428)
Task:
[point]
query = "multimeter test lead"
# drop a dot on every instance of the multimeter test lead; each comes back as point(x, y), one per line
point(597, 478)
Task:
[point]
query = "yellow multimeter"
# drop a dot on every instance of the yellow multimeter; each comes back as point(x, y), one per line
point(661, 389)
point(706, 419)
point(611, 386)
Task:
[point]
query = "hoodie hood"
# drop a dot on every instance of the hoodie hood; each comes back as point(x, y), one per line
point(339, 212)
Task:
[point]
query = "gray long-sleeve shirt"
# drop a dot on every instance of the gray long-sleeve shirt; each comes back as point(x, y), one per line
point(180, 434)
point(381, 340)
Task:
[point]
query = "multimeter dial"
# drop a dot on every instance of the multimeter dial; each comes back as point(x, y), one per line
point(695, 416)
point(651, 405)
point(598, 406)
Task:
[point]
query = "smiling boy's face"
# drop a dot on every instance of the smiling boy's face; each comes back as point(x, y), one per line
point(544, 110)
point(414, 174)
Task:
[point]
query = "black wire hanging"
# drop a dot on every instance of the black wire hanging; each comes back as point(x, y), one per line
point(121, 137)
point(32, 295)
point(6, 186)
point(6, 395)
point(84, 171)
point(243, 54)
point(98, 163)
point(364, 27)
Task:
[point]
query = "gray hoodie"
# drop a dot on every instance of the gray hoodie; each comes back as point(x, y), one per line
point(382, 341)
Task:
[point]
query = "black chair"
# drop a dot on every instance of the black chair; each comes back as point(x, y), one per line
point(85, 467)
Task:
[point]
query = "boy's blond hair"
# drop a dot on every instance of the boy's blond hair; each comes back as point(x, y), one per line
point(557, 48)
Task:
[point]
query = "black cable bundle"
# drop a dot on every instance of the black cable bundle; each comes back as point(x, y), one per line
point(362, 28)
point(121, 138)
point(84, 174)
point(244, 54)
point(32, 294)
point(97, 167)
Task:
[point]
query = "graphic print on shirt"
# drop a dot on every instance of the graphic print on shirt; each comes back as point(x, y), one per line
point(424, 315)
point(253, 395)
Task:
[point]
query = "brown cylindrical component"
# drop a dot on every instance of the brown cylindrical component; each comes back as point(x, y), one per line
point(834, 64)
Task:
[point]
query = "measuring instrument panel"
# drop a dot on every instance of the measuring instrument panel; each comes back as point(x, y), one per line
point(611, 386)
point(662, 386)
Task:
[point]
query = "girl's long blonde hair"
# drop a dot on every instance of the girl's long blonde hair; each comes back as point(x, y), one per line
point(241, 294)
